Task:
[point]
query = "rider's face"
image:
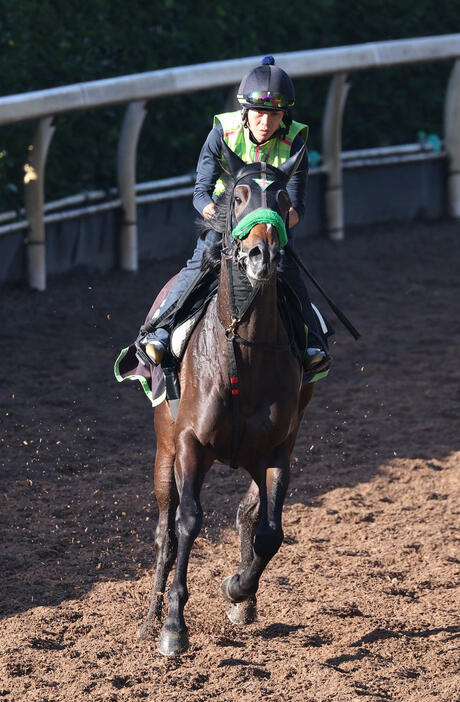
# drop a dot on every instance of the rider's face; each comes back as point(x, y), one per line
point(264, 123)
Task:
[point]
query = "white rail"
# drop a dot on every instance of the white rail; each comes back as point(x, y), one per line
point(137, 89)
point(203, 76)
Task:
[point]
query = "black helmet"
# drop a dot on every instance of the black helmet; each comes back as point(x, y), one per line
point(266, 87)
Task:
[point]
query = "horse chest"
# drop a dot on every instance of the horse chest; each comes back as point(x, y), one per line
point(266, 414)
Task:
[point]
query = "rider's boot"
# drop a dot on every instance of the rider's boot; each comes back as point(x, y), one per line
point(316, 357)
point(316, 360)
point(154, 349)
point(155, 345)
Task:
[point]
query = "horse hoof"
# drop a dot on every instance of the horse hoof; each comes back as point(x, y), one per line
point(242, 613)
point(225, 589)
point(173, 643)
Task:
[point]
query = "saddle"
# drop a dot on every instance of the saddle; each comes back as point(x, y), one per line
point(183, 320)
point(160, 382)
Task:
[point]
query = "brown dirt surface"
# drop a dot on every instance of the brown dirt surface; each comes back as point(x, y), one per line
point(359, 603)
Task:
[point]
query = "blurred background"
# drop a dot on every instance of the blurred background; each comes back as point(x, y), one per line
point(50, 43)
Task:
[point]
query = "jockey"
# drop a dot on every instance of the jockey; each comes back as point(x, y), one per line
point(262, 131)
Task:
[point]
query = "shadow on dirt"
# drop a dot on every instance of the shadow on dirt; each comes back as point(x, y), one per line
point(77, 449)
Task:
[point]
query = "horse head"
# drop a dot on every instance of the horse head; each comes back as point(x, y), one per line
point(258, 212)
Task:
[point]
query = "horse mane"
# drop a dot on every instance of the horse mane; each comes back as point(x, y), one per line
point(219, 219)
point(211, 258)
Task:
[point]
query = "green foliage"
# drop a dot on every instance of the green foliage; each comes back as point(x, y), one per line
point(53, 43)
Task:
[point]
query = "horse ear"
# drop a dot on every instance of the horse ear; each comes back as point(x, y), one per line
point(234, 162)
point(289, 167)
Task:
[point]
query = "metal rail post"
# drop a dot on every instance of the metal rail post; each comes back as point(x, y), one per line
point(126, 177)
point(332, 148)
point(34, 191)
point(452, 139)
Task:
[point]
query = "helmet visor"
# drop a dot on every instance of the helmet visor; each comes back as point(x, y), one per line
point(263, 98)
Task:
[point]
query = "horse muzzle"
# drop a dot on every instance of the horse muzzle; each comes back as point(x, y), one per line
point(261, 261)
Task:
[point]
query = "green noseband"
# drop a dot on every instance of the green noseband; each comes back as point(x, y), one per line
point(265, 216)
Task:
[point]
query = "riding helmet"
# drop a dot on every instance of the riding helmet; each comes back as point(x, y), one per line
point(266, 87)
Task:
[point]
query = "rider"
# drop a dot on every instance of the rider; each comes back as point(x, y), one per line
point(263, 130)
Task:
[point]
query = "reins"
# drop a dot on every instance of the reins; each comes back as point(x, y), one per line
point(231, 332)
point(233, 338)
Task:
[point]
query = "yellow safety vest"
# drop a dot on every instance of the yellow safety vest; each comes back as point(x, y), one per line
point(274, 151)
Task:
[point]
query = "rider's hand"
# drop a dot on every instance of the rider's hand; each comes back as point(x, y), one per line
point(209, 210)
point(293, 218)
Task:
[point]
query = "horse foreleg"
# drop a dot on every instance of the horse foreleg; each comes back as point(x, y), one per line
point(273, 483)
point(258, 547)
point(247, 516)
point(168, 499)
point(192, 464)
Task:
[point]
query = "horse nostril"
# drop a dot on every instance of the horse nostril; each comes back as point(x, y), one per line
point(255, 253)
point(259, 264)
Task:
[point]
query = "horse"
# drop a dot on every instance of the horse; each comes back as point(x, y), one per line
point(242, 401)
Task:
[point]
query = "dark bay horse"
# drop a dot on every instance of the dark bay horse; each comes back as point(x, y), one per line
point(242, 401)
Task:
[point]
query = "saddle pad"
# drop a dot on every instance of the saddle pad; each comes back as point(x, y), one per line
point(152, 380)
point(128, 367)
point(181, 335)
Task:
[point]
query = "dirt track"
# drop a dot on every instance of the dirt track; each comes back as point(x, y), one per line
point(360, 602)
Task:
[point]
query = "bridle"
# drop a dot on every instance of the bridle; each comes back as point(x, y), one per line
point(233, 257)
point(233, 253)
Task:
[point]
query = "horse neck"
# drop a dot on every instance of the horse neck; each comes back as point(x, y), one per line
point(260, 322)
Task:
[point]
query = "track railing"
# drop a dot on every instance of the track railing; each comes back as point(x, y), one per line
point(136, 90)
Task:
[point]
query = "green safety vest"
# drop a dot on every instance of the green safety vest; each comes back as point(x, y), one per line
point(274, 151)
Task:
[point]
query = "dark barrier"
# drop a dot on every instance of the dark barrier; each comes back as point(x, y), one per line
point(399, 192)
